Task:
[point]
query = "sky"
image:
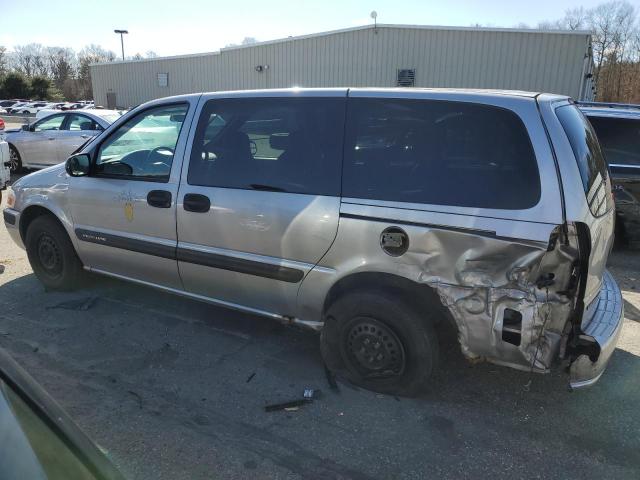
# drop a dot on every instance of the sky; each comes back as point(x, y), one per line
point(192, 26)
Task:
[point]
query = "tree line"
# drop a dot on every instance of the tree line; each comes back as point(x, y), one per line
point(615, 44)
point(51, 73)
point(36, 71)
point(616, 47)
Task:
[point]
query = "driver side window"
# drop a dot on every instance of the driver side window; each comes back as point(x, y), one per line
point(50, 123)
point(143, 147)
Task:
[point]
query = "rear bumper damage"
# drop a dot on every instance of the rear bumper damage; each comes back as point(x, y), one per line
point(601, 325)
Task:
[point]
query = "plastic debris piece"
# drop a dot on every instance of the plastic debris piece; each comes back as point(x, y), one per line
point(283, 406)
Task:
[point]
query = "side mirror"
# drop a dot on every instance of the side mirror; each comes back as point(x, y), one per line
point(26, 127)
point(78, 165)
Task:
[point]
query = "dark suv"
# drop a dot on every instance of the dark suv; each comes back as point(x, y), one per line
point(618, 129)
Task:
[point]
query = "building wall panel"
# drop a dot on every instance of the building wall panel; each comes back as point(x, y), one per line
point(442, 57)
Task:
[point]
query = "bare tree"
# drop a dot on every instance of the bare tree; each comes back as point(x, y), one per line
point(30, 60)
point(151, 54)
point(550, 25)
point(87, 56)
point(61, 62)
point(575, 19)
point(4, 63)
point(613, 26)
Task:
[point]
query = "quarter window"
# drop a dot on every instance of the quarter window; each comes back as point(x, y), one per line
point(584, 144)
point(50, 123)
point(279, 144)
point(439, 152)
point(143, 147)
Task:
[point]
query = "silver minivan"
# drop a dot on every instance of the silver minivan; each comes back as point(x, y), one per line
point(368, 214)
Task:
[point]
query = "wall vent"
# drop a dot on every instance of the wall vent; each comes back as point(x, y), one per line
point(406, 77)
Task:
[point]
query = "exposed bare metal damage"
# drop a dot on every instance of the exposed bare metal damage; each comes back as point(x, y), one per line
point(495, 280)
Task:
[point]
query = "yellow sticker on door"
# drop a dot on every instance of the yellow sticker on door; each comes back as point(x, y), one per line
point(126, 200)
point(128, 211)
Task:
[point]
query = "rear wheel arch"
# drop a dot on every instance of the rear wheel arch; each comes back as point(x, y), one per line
point(420, 297)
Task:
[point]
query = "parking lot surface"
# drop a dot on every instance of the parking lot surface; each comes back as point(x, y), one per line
point(175, 389)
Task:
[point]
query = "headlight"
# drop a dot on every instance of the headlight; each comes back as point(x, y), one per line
point(11, 198)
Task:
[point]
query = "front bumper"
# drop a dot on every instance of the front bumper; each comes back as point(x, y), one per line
point(606, 315)
point(12, 222)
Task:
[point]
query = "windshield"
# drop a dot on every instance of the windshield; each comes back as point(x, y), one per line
point(110, 117)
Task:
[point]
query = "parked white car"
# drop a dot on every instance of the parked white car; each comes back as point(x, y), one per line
point(31, 108)
point(17, 107)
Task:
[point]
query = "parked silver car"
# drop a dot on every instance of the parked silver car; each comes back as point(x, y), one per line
point(50, 140)
point(371, 214)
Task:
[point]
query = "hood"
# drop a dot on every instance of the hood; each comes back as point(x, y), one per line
point(44, 178)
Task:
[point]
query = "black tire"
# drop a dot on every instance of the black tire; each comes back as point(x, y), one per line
point(358, 316)
point(51, 254)
point(620, 237)
point(15, 162)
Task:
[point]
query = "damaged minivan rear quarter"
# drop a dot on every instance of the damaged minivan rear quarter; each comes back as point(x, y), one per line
point(491, 209)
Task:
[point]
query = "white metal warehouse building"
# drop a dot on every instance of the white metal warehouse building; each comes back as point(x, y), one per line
point(383, 56)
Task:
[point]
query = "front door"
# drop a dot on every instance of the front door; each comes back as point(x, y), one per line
point(259, 202)
point(124, 212)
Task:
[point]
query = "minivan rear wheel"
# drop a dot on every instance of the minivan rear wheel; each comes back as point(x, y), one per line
point(379, 342)
point(51, 254)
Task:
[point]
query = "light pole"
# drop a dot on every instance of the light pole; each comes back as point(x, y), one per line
point(121, 32)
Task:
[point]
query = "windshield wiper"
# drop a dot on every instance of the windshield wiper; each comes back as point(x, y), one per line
point(266, 188)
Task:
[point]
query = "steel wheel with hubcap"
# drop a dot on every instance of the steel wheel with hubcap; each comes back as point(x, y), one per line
point(379, 341)
point(51, 254)
point(372, 349)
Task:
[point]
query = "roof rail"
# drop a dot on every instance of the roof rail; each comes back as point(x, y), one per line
point(608, 105)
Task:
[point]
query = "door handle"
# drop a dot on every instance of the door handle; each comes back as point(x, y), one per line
point(194, 202)
point(159, 198)
point(84, 136)
point(51, 138)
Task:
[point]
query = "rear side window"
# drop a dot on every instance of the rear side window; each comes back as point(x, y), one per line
point(591, 163)
point(279, 144)
point(584, 144)
point(439, 152)
point(619, 138)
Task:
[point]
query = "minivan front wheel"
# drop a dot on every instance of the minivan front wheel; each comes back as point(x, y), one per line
point(51, 254)
point(379, 342)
